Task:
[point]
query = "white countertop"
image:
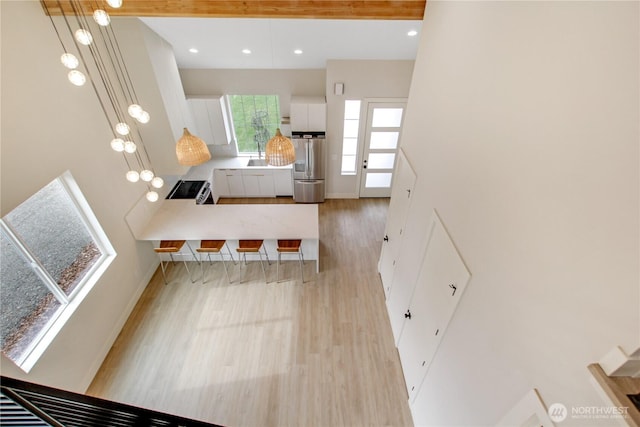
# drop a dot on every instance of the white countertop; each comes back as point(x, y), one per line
point(184, 220)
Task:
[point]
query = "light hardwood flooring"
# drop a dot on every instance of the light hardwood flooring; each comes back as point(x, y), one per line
point(278, 354)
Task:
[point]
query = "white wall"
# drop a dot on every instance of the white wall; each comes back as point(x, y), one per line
point(362, 79)
point(49, 126)
point(522, 126)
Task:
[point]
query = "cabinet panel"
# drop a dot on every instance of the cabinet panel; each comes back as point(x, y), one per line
point(317, 117)
point(220, 184)
point(234, 180)
point(211, 119)
point(442, 280)
point(266, 184)
point(251, 185)
point(308, 114)
point(283, 182)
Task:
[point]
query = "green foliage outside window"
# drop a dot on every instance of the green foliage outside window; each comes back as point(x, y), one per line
point(255, 120)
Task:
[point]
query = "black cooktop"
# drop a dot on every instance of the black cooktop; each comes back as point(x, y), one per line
point(186, 189)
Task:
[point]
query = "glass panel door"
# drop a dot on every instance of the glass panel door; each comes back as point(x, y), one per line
point(382, 133)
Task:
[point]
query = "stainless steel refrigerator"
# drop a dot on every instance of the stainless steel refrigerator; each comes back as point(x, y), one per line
point(308, 169)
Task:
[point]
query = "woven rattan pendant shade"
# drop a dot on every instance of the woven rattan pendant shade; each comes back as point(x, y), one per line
point(191, 150)
point(280, 150)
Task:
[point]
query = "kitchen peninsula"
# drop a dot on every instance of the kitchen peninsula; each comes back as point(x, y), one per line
point(184, 220)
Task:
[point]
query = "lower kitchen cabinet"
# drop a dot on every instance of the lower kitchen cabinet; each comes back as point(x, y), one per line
point(252, 182)
point(283, 182)
point(258, 183)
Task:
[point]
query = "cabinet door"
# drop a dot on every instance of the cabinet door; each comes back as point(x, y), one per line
point(442, 280)
point(234, 180)
point(317, 117)
point(283, 182)
point(211, 120)
point(251, 185)
point(220, 184)
point(299, 116)
point(265, 182)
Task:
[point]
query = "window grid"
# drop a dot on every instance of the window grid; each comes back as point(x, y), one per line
point(351, 127)
point(35, 305)
point(255, 119)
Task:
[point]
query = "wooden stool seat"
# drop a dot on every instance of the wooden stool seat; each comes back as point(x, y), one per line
point(213, 247)
point(290, 247)
point(253, 246)
point(171, 247)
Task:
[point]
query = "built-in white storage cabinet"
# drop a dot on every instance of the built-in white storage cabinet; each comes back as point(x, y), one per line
point(211, 119)
point(420, 310)
point(252, 182)
point(308, 114)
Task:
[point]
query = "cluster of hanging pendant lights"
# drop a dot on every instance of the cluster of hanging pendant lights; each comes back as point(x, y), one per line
point(119, 92)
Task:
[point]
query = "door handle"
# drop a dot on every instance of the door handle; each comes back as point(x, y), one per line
point(365, 164)
point(386, 238)
point(407, 315)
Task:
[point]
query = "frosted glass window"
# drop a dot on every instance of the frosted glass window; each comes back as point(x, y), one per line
point(387, 117)
point(352, 110)
point(52, 252)
point(349, 146)
point(351, 128)
point(348, 165)
point(384, 140)
point(381, 160)
point(378, 180)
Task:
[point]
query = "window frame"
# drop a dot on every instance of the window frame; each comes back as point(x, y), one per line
point(356, 139)
point(45, 336)
point(232, 123)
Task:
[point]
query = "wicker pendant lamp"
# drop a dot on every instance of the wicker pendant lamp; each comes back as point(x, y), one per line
point(280, 150)
point(191, 150)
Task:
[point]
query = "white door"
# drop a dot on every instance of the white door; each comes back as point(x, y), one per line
point(440, 285)
point(382, 133)
point(402, 190)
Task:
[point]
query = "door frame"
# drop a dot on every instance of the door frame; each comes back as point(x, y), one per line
point(362, 136)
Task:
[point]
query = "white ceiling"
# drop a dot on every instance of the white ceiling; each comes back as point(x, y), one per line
point(220, 41)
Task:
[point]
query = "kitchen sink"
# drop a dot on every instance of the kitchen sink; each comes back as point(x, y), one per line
point(257, 162)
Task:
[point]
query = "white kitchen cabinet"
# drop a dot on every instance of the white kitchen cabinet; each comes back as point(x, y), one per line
point(258, 183)
point(283, 182)
point(308, 114)
point(211, 119)
point(235, 182)
point(220, 184)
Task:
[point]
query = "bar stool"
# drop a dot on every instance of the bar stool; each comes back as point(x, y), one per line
point(252, 247)
point(214, 247)
point(171, 247)
point(290, 247)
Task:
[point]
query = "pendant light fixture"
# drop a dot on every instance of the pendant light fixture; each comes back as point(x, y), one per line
point(97, 53)
point(280, 150)
point(191, 150)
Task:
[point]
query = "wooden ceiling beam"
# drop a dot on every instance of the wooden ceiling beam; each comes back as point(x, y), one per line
point(299, 9)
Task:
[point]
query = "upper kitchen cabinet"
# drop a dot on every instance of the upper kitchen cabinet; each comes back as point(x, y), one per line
point(308, 114)
point(211, 119)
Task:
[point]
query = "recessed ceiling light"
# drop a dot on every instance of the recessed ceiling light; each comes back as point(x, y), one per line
point(246, 51)
point(412, 33)
point(298, 51)
point(193, 50)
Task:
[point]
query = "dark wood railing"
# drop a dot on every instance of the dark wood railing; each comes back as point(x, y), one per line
point(26, 404)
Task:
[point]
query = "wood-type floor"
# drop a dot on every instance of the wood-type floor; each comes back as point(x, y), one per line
point(277, 354)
